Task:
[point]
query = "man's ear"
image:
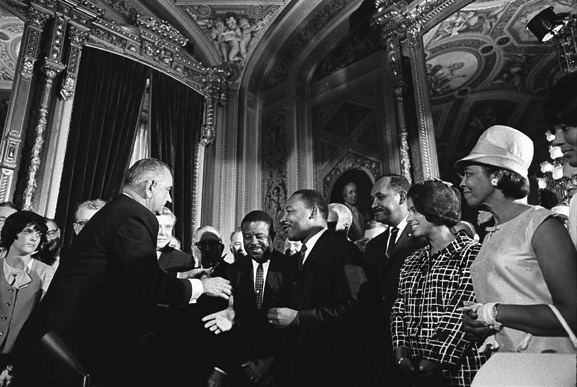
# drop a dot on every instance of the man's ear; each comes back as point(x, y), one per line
point(148, 184)
point(402, 197)
point(314, 212)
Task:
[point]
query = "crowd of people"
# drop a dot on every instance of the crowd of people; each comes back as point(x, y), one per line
point(422, 302)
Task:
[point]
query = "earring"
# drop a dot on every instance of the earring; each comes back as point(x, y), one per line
point(494, 182)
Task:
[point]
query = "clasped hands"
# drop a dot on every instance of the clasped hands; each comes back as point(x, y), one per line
point(478, 320)
point(424, 369)
point(282, 317)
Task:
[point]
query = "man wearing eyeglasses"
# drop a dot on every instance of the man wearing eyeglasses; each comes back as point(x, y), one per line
point(85, 212)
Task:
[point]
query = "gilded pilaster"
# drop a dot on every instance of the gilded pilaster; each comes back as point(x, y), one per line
point(52, 67)
point(400, 31)
point(17, 115)
point(392, 29)
point(425, 154)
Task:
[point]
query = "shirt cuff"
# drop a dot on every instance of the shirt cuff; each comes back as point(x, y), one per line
point(197, 289)
point(219, 370)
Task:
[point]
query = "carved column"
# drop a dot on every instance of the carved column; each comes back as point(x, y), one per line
point(400, 31)
point(17, 114)
point(399, 86)
point(426, 152)
point(51, 69)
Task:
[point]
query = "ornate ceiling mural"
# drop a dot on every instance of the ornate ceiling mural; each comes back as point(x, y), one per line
point(484, 67)
point(11, 28)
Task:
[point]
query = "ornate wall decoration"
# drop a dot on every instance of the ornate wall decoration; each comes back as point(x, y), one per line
point(275, 168)
point(234, 30)
point(348, 162)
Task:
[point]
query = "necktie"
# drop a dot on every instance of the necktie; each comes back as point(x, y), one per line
point(302, 256)
point(393, 231)
point(259, 285)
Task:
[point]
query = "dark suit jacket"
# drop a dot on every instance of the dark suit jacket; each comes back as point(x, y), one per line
point(105, 286)
point(256, 338)
point(388, 273)
point(333, 299)
point(187, 352)
point(173, 261)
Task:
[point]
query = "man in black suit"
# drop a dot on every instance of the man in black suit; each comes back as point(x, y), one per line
point(170, 260)
point(257, 280)
point(99, 301)
point(325, 313)
point(386, 253)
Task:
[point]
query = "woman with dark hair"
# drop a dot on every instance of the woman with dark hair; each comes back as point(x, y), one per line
point(23, 279)
point(527, 260)
point(435, 282)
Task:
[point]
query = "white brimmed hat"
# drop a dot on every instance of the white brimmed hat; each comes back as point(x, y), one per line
point(503, 147)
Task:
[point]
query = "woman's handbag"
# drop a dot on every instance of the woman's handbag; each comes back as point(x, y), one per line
point(510, 369)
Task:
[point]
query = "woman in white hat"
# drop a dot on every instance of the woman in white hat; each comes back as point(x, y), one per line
point(527, 259)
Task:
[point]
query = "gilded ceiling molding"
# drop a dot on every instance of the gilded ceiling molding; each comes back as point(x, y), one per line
point(79, 21)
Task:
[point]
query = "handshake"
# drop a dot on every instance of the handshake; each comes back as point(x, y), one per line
point(213, 286)
point(223, 320)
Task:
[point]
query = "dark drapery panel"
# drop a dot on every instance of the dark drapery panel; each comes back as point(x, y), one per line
point(176, 113)
point(102, 129)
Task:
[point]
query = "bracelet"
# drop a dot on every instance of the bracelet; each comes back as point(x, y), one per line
point(495, 312)
point(400, 361)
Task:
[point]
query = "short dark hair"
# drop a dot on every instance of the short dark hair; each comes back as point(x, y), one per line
point(16, 222)
point(560, 106)
point(314, 198)
point(144, 169)
point(510, 183)
point(438, 201)
point(259, 216)
point(397, 182)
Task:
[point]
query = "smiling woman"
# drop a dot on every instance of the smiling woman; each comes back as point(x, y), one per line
point(527, 260)
point(434, 283)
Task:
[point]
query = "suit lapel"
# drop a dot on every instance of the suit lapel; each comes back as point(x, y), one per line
point(313, 254)
point(273, 280)
point(403, 240)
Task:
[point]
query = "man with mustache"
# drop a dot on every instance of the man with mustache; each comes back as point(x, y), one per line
point(327, 311)
point(386, 253)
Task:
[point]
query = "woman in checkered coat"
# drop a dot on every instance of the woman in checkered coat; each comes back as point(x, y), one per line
point(435, 281)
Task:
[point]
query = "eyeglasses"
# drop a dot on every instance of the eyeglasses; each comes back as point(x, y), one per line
point(201, 245)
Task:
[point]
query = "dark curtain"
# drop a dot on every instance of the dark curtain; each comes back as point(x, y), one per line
point(176, 113)
point(102, 129)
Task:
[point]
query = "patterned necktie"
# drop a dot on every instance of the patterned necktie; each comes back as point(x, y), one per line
point(259, 285)
point(302, 256)
point(393, 231)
